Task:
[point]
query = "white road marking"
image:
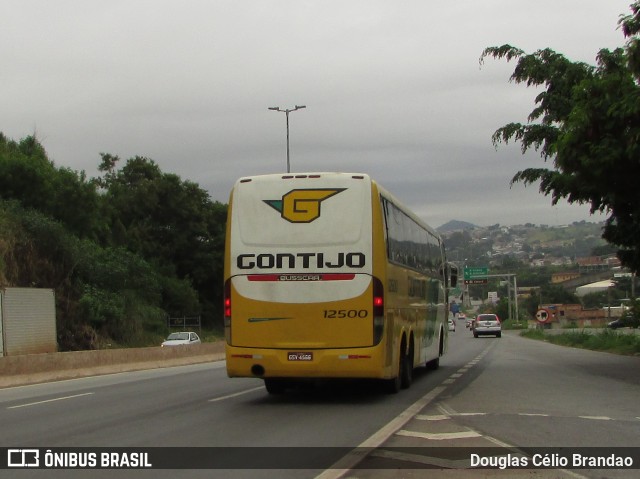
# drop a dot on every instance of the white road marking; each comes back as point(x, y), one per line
point(49, 400)
point(498, 442)
point(351, 460)
point(377, 439)
point(229, 396)
point(437, 417)
point(440, 436)
point(597, 418)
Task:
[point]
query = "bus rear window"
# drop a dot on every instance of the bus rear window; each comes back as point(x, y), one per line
point(287, 214)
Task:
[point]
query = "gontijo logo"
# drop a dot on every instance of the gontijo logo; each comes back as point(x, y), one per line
point(302, 206)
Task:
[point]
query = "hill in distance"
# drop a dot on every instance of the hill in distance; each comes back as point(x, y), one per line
point(455, 225)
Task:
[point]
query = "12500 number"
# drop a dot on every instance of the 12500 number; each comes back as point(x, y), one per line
point(346, 313)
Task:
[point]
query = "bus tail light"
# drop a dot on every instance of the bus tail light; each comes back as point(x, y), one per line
point(378, 310)
point(227, 310)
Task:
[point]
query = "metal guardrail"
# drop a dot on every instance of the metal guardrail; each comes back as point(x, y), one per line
point(184, 322)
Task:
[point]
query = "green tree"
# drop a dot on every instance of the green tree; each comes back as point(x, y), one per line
point(28, 176)
point(587, 121)
point(101, 293)
point(171, 223)
point(502, 309)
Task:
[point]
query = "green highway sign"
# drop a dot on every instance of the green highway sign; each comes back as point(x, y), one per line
point(475, 272)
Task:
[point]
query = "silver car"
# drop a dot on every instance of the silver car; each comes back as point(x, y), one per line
point(487, 324)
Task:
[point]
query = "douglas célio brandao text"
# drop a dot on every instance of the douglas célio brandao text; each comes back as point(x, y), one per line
point(571, 460)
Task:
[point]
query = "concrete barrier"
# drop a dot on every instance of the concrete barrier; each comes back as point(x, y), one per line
point(37, 368)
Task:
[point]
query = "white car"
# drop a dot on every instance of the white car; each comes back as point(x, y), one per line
point(452, 325)
point(487, 324)
point(181, 339)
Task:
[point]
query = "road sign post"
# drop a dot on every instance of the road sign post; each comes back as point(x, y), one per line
point(480, 275)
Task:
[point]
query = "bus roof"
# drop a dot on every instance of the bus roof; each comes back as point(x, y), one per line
point(326, 174)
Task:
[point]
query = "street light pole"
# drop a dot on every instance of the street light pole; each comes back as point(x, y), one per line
point(286, 112)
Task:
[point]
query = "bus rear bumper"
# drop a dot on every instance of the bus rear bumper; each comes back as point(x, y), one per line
point(301, 363)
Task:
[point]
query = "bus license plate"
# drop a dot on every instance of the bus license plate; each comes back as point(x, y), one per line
point(300, 356)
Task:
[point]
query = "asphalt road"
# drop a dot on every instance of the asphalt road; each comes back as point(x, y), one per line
point(508, 392)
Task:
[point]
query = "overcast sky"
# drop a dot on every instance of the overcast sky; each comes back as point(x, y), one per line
point(392, 88)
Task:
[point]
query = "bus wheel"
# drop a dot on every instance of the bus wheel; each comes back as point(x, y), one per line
point(274, 386)
point(393, 385)
point(406, 370)
point(433, 364)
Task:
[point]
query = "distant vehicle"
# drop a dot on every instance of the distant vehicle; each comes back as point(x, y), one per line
point(623, 322)
point(469, 323)
point(618, 323)
point(487, 324)
point(462, 316)
point(452, 325)
point(181, 339)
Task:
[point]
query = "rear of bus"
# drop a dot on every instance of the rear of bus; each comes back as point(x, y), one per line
point(301, 296)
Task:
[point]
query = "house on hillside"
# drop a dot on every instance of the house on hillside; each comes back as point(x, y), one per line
point(592, 264)
point(528, 291)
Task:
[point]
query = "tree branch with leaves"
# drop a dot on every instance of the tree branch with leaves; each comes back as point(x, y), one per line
point(586, 122)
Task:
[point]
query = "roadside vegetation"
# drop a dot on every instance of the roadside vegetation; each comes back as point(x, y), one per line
point(155, 338)
point(605, 340)
point(585, 127)
point(123, 252)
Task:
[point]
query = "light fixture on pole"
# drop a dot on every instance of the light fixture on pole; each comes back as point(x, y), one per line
point(286, 112)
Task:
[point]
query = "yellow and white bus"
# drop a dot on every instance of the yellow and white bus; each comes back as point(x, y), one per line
point(327, 275)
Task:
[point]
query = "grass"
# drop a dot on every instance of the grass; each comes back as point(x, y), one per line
point(511, 324)
point(607, 340)
point(155, 338)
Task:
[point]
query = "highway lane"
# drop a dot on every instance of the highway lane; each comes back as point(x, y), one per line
point(197, 406)
point(533, 393)
point(517, 391)
point(521, 393)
